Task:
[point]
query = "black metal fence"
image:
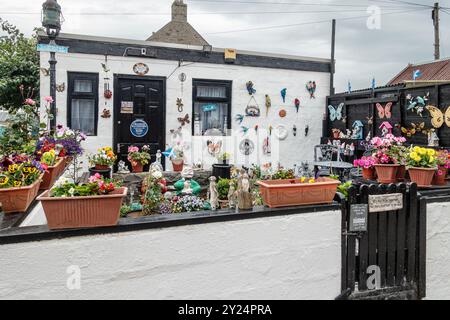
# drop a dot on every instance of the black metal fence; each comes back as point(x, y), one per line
point(394, 242)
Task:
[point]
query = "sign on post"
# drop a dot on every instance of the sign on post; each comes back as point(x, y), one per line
point(42, 47)
point(385, 202)
point(358, 218)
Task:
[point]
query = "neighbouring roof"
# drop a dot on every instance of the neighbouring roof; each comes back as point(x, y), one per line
point(431, 71)
point(178, 30)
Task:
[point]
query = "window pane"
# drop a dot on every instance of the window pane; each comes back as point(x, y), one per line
point(83, 115)
point(211, 92)
point(83, 86)
point(210, 118)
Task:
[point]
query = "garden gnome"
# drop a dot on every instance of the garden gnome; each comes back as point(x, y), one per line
point(232, 198)
point(244, 196)
point(213, 193)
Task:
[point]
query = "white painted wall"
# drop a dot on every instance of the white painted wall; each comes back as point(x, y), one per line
point(287, 257)
point(267, 81)
point(438, 251)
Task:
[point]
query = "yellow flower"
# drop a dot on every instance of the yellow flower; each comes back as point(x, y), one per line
point(416, 149)
point(413, 155)
point(4, 180)
point(17, 184)
point(302, 179)
point(431, 159)
point(431, 152)
point(33, 170)
point(423, 151)
point(312, 181)
point(13, 168)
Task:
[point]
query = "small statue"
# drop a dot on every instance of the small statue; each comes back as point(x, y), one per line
point(157, 164)
point(433, 139)
point(245, 201)
point(232, 197)
point(122, 168)
point(213, 193)
point(187, 174)
point(187, 190)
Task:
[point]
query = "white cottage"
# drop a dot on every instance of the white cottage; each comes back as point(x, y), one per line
point(128, 92)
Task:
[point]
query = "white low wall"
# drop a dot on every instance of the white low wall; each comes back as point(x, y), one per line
point(438, 251)
point(285, 257)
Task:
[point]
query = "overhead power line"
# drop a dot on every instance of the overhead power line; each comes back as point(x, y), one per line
point(307, 23)
point(288, 3)
point(404, 2)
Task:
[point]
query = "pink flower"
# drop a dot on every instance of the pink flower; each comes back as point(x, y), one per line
point(133, 149)
point(30, 102)
point(95, 178)
point(48, 99)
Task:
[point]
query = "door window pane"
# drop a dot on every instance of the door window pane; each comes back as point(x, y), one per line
point(83, 86)
point(83, 115)
point(211, 92)
point(211, 116)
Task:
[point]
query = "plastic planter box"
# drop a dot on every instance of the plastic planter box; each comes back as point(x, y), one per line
point(19, 199)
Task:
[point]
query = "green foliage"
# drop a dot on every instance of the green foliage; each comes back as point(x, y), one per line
point(282, 174)
point(19, 65)
point(223, 187)
point(125, 210)
point(343, 188)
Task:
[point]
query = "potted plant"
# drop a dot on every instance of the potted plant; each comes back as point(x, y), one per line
point(224, 158)
point(55, 167)
point(422, 164)
point(19, 183)
point(69, 143)
point(138, 158)
point(368, 167)
point(102, 162)
point(387, 151)
point(295, 192)
point(177, 157)
point(443, 164)
point(93, 204)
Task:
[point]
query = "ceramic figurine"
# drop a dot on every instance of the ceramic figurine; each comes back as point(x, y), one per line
point(357, 130)
point(157, 165)
point(232, 197)
point(187, 178)
point(122, 168)
point(187, 188)
point(433, 139)
point(245, 201)
point(268, 104)
point(213, 193)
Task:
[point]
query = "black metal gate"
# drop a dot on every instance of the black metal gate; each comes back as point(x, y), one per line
point(394, 244)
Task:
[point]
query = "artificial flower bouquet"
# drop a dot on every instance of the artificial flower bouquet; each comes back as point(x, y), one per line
point(103, 159)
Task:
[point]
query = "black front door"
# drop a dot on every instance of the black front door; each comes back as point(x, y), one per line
point(139, 110)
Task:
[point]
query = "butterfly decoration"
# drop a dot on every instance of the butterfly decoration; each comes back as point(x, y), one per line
point(283, 94)
point(311, 87)
point(415, 129)
point(250, 89)
point(336, 113)
point(369, 120)
point(244, 130)
point(180, 104)
point(384, 112)
point(297, 104)
point(417, 104)
point(268, 104)
point(239, 118)
point(214, 147)
point(45, 72)
point(61, 87)
point(176, 133)
point(105, 67)
point(185, 120)
point(438, 118)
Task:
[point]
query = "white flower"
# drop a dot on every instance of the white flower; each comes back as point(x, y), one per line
point(71, 191)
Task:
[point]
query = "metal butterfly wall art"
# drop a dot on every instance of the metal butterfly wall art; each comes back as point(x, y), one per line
point(336, 113)
point(184, 120)
point(61, 87)
point(438, 118)
point(176, 132)
point(45, 72)
point(384, 111)
point(214, 147)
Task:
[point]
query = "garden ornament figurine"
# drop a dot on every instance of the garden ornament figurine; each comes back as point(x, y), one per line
point(187, 177)
point(357, 130)
point(232, 196)
point(386, 128)
point(157, 165)
point(245, 201)
point(283, 94)
point(122, 168)
point(250, 89)
point(268, 104)
point(187, 190)
point(213, 193)
point(433, 139)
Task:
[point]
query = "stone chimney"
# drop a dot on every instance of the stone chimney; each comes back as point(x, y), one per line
point(179, 11)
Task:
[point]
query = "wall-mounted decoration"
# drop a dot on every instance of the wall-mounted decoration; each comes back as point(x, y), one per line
point(336, 113)
point(141, 69)
point(415, 128)
point(297, 104)
point(252, 110)
point(256, 127)
point(244, 130)
point(438, 118)
point(358, 128)
point(306, 130)
point(311, 87)
point(281, 133)
point(176, 133)
point(61, 87)
point(209, 107)
point(246, 147)
point(268, 104)
point(282, 113)
point(386, 128)
point(180, 105)
point(266, 146)
point(283, 95)
point(45, 72)
point(126, 107)
point(344, 119)
point(106, 114)
point(336, 133)
point(433, 139)
point(294, 130)
point(239, 118)
point(139, 128)
point(107, 94)
point(214, 147)
point(384, 112)
point(369, 120)
point(250, 88)
point(417, 104)
point(230, 55)
point(184, 120)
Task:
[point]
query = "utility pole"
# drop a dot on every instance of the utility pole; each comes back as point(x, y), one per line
point(333, 64)
point(435, 16)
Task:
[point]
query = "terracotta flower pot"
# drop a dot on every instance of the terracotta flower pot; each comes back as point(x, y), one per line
point(101, 167)
point(52, 174)
point(286, 193)
point(422, 176)
point(177, 165)
point(440, 180)
point(19, 199)
point(68, 161)
point(83, 212)
point(401, 173)
point(137, 167)
point(387, 173)
point(368, 173)
point(224, 204)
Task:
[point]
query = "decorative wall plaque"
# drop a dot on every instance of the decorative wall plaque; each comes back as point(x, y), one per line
point(385, 202)
point(358, 218)
point(141, 69)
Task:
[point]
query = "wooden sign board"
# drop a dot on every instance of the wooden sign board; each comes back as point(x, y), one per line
point(358, 217)
point(126, 107)
point(385, 202)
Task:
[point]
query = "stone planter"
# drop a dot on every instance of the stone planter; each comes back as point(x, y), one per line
point(387, 173)
point(137, 167)
point(440, 180)
point(19, 199)
point(286, 193)
point(178, 165)
point(52, 174)
point(83, 212)
point(368, 173)
point(422, 176)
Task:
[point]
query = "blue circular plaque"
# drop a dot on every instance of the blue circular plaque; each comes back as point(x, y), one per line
point(139, 128)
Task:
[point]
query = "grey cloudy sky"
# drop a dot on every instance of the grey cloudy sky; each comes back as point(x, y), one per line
point(406, 33)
